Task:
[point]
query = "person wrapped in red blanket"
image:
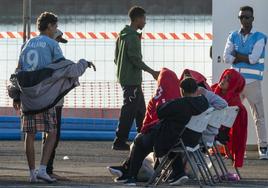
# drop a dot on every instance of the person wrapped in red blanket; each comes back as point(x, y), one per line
point(230, 86)
point(167, 89)
point(199, 78)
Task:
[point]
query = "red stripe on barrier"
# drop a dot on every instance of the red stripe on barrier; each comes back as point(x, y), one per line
point(92, 35)
point(186, 36)
point(1, 36)
point(81, 35)
point(69, 35)
point(33, 34)
point(174, 36)
point(115, 34)
point(21, 34)
point(198, 36)
point(11, 35)
point(209, 35)
point(163, 36)
point(104, 35)
point(150, 35)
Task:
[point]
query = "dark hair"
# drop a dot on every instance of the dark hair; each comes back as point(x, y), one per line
point(135, 12)
point(44, 19)
point(245, 8)
point(189, 85)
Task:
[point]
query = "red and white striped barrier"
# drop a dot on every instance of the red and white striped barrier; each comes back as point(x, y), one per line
point(114, 35)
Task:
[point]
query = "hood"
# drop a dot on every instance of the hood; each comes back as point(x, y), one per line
point(169, 82)
point(236, 84)
point(200, 79)
point(128, 31)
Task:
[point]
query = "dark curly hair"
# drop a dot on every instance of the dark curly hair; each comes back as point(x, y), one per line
point(247, 8)
point(135, 12)
point(44, 19)
point(189, 85)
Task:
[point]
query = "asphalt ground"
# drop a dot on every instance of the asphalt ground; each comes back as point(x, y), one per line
point(87, 162)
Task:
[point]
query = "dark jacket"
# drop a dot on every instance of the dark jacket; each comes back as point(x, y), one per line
point(128, 57)
point(40, 90)
point(174, 115)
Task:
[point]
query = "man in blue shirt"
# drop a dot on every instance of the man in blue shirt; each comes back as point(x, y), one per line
point(36, 54)
point(245, 51)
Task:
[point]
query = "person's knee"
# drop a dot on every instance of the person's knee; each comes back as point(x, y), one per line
point(29, 136)
point(138, 139)
point(52, 134)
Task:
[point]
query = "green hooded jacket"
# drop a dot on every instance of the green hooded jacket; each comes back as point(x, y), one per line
point(128, 57)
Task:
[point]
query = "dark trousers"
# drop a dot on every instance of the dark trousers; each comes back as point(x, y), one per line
point(51, 159)
point(133, 108)
point(177, 165)
point(143, 145)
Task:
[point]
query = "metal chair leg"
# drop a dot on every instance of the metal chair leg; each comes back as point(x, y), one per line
point(220, 159)
point(191, 163)
point(219, 162)
point(157, 171)
point(211, 179)
point(165, 169)
point(199, 167)
point(212, 162)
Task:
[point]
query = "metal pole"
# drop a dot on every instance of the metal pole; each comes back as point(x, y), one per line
point(29, 18)
point(24, 19)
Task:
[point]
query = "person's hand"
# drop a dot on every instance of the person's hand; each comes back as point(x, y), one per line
point(90, 64)
point(16, 105)
point(155, 74)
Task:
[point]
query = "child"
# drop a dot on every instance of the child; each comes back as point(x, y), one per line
point(230, 86)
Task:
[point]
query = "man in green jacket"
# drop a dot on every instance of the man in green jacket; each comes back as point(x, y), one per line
point(128, 59)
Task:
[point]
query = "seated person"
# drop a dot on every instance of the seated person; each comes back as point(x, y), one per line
point(173, 116)
point(214, 100)
point(166, 91)
point(230, 86)
point(199, 78)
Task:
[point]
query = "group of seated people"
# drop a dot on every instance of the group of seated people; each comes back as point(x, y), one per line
point(169, 111)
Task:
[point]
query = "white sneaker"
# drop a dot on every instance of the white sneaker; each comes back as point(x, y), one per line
point(45, 177)
point(33, 178)
point(263, 153)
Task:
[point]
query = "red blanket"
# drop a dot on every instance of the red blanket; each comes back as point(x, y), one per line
point(200, 79)
point(167, 89)
point(238, 133)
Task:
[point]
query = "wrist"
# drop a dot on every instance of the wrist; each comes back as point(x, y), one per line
point(89, 63)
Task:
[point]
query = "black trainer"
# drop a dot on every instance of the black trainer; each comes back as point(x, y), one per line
point(120, 145)
point(122, 179)
point(131, 182)
point(179, 179)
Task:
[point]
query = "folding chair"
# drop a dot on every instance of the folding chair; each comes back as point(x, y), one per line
point(196, 124)
point(208, 138)
point(228, 120)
